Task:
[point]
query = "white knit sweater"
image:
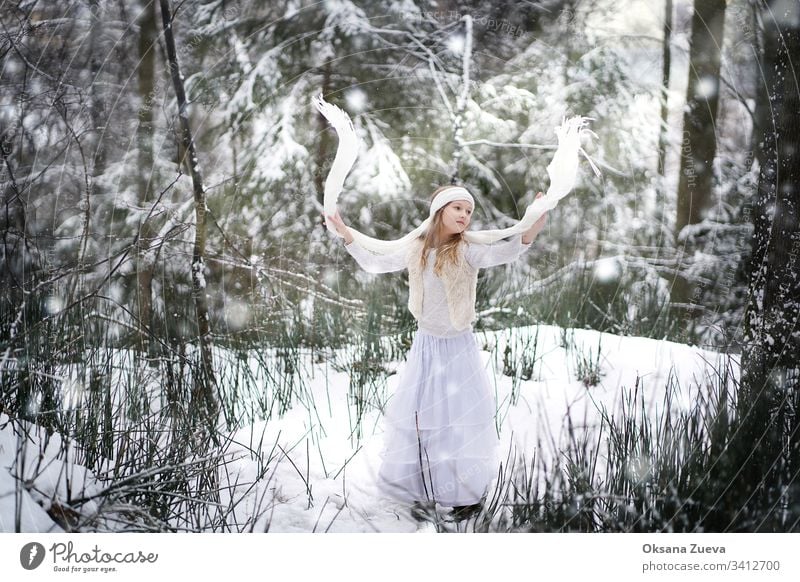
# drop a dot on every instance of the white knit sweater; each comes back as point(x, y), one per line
point(443, 306)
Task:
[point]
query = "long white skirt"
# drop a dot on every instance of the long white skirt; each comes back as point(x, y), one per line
point(440, 441)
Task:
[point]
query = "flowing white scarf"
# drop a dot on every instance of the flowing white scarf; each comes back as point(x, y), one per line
point(562, 171)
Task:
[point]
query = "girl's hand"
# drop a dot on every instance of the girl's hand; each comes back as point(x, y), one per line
point(537, 226)
point(340, 227)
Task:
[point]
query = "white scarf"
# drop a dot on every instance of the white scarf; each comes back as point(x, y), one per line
point(562, 171)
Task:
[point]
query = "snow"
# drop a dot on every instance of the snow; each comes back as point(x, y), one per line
point(378, 170)
point(456, 43)
point(263, 111)
point(35, 469)
point(321, 474)
point(53, 304)
point(237, 314)
point(279, 144)
point(356, 99)
point(607, 270)
point(706, 88)
point(346, 16)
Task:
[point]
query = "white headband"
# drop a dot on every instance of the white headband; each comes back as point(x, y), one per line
point(448, 195)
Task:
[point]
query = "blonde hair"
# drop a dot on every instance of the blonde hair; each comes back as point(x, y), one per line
point(447, 252)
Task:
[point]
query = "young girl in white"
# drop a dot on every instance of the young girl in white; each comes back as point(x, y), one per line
point(440, 441)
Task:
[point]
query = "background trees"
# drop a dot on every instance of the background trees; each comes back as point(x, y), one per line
point(113, 240)
point(93, 143)
point(769, 399)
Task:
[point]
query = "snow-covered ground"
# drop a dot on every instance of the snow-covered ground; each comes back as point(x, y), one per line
point(321, 477)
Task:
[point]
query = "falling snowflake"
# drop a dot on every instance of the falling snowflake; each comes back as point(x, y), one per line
point(356, 99)
point(706, 88)
point(455, 44)
point(606, 270)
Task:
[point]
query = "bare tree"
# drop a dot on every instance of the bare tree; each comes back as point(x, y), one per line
point(768, 398)
point(145, 264)
point(666, 55)
point(203, 395)
point(699, 143)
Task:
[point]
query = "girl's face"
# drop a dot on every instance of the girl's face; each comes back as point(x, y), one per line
point(456, 216)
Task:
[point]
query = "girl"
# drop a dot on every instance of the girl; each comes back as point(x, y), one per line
point(440, 441)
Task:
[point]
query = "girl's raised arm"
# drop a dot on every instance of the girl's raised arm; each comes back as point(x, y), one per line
point(375, 263)
point(369, 261)
point(481, 256)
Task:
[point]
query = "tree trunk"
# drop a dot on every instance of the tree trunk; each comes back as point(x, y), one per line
point(666, 56)
point(666, 63)
point(97, 109)
point(203, 394)
point(699, 144)
point(768, 396)
point(144, 140)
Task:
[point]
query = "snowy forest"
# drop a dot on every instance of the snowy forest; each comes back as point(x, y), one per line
point(185, 347)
